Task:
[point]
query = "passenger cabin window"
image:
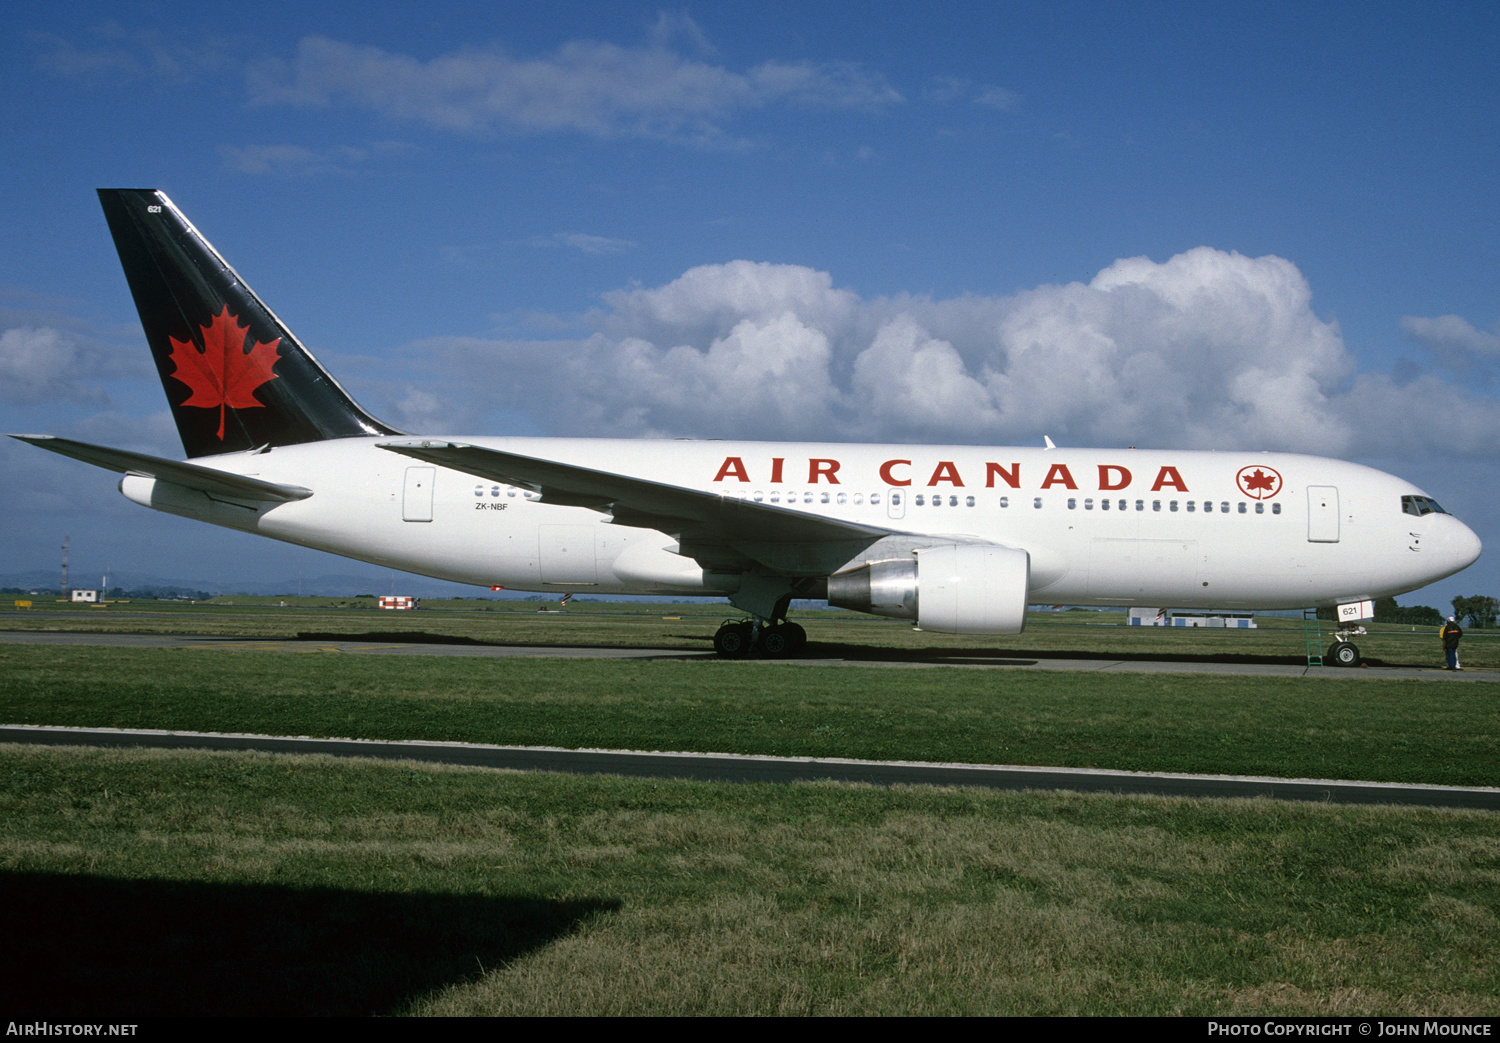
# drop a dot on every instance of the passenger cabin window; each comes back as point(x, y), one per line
point(1037, 503)
point(1005, 501)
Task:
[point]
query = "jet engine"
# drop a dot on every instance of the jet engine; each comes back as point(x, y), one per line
point(951, 588)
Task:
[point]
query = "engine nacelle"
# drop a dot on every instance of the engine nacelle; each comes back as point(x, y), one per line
point(951, 589)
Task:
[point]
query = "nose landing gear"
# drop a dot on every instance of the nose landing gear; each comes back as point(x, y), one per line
point(1344, 652)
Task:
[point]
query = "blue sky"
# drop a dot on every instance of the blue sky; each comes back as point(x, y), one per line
point(1254, 226)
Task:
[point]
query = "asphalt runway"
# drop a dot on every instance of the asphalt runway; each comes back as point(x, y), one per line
point(723, 767)
point(959, 658)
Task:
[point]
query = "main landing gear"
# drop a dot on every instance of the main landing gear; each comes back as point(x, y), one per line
point(740, 638)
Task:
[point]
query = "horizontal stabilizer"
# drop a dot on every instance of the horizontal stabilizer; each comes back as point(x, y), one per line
point(688, 514)
point(191, 476)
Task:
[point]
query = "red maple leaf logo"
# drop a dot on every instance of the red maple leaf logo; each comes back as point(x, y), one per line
point(1260, 483)
point(223, 373)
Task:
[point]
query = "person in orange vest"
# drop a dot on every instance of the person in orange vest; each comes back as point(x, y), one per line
point(1451, 634)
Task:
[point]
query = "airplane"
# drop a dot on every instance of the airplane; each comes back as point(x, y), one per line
point(957, 539)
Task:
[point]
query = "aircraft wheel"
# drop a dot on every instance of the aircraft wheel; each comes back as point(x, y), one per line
point(785, 640)
point(1344, 653)
point(776, 643)
point(732, 641)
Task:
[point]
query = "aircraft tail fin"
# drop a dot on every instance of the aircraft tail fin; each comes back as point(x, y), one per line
point(235, 376)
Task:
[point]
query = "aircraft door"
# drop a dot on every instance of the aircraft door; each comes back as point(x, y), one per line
point(895, 503)
point(416, 495)
point(1322, 514)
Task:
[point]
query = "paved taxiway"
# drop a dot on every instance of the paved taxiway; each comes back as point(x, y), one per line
point(724, 767)
point(884, 657)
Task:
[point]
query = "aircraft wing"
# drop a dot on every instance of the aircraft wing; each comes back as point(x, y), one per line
point(780, 537)
point(192, 476)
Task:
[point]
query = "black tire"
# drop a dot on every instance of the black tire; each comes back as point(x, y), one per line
point(1344, 653)
point(776, 642)
point(782, 641)
point(732, 640)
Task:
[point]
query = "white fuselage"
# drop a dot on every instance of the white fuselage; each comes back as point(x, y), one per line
point(1102, 527)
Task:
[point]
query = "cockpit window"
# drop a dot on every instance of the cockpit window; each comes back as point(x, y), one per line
point(1420, 505)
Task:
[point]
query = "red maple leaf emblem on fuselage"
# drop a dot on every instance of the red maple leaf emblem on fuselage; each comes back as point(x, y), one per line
point(223, 373)
point(1258, 483)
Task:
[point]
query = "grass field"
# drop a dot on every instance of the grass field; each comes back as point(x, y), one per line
point(832, 634)
point(144, 883)
point(1401, 731)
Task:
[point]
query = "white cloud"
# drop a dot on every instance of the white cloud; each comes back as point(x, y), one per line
point(1206, 349)
point(420, 410)
point(1472, 353)
point(584, 243)
point(590, 87)
point(114, 53)
point(1452, 333)
point(155, 434)
point(41, 363)
point(997, 98)
point(708, 301)
point(944, 89)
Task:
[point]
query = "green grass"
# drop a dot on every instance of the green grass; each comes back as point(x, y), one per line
point(146, 883)
point(1403, 731)
point(143, 883)
point(833, 634)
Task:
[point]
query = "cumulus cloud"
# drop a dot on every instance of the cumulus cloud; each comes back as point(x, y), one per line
point(1207, 349)
point(42, 364)
point(155, 434)
point(590, 87)
point(1457, 345)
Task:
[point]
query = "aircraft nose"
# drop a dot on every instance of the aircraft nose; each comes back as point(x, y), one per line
point(1461, 545)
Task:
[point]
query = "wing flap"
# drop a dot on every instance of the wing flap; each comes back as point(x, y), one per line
point(192, 476)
